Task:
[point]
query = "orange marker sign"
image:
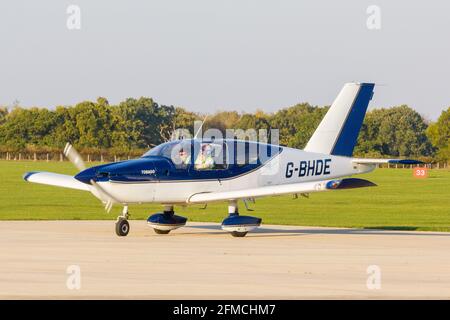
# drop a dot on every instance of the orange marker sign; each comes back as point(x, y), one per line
point(420, 172)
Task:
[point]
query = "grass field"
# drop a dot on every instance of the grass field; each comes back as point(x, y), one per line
point(399, 202)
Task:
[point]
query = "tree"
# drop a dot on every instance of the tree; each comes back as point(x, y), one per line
point(251, 125)
point(24, 127)
point(439, 135)
point(184, 120)
point(154, 122)
point(257, 120)
point(93, 121)
point(3, 114)
point(222, 120)
point(397, 131)
point(143, 123)
point(297, 123)
point(65, 127)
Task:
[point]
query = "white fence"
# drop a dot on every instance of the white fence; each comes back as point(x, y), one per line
point(10, 156)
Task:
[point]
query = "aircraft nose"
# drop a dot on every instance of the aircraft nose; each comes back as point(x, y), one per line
point(87, 175)
point(97, 173)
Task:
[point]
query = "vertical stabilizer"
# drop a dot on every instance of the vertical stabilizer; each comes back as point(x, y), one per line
point(338, 131)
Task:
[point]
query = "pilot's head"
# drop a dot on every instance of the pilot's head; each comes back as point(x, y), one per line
point(182, 153)
point(206, 149)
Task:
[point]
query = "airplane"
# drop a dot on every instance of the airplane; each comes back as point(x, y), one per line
point(229, 170)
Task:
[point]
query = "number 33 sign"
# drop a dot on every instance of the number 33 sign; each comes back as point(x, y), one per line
point(420, 172)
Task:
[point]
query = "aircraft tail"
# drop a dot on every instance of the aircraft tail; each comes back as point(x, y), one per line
point(338, 131)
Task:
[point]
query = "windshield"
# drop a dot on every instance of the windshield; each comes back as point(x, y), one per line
point(179, 152)
point(154, 151)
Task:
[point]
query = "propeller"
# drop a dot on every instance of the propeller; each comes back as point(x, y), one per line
point(96, 189)
point(104, 196)
point(74, 157)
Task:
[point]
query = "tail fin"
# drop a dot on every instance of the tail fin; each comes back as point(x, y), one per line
point(339, 129)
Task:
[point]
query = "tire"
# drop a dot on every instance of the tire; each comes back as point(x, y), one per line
point(161, 231)
point(238, 234)
point(122, 227)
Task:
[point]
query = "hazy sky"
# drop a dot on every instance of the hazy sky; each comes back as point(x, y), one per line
point(209, 55)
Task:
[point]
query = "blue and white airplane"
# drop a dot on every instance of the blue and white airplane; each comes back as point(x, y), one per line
point(199, 171)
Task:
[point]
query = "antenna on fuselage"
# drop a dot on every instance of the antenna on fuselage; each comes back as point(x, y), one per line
point(201, 126)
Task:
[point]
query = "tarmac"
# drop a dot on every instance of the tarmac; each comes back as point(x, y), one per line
point(86, 260)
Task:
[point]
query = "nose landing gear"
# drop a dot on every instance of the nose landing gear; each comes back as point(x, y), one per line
point(122, 225)
point(238, 225)
point(163, 223)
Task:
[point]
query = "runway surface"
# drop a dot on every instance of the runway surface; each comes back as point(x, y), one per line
point(201, 261)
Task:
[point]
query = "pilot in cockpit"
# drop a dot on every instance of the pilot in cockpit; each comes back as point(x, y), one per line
point(204, 159)
point(185, 158)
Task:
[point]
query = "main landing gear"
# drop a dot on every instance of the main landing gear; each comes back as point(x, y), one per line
point(122, 225)
point(238, 225)
point(163, 223)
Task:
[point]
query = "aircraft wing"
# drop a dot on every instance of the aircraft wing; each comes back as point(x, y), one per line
point(379, 161)
point(55, 179)
point(304, 187)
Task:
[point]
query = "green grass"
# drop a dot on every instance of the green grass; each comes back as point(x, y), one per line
point(399, 202)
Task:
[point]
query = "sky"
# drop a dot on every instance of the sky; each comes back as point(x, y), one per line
point(208, 55)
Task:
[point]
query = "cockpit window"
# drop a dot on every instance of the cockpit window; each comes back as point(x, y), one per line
point(246, 152)
point(211, 156)
point(179, 152)
point(156, 151)
point(214, 155)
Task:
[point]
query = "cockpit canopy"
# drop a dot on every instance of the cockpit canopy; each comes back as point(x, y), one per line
point(214, 154)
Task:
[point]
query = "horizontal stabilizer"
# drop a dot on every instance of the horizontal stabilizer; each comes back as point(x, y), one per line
point(406, 161)
point(380, 161)
point(55, 179)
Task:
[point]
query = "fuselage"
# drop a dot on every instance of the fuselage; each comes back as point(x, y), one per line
point(172, 172)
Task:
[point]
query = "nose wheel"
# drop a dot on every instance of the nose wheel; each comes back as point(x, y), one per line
point(122, 225)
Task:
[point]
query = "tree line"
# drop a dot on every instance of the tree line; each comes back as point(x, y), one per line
point(135, 125)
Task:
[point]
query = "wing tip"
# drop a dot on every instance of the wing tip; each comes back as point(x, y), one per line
point(26, 176)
